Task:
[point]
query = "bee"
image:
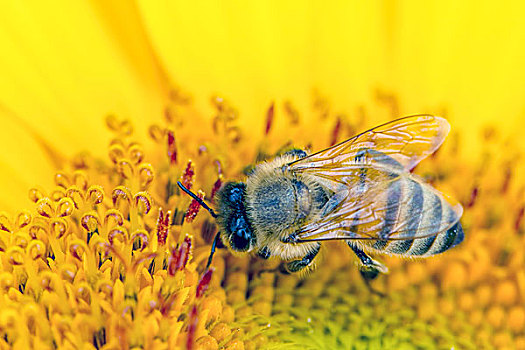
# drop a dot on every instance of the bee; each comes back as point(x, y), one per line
point(360, 191)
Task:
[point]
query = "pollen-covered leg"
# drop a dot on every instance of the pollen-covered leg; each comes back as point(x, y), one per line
point(298, 265)
point(369, 268)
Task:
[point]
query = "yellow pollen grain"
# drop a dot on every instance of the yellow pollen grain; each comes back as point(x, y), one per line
point(263, 307)
point(516, 319)
point(228, 314)
point(397, 281)
point(426, 309)
point(466, 301)
point(264, 292)
point(484, 337)
point(239, 280)
point(236, 296)
point(285, 300)
point(190, 278)
point(428, 291)
point(506, 293)
point(221, 331)
point(520, 343)
point(260, 340)
point(495, 316)
point(476, 317)
point(214, 306)
point(244, 311)
point(287, 282)
point(206, 343)
point(304, 301)
point(219, 293)
point(479, 269)
point(235, 344)
point(483, 295)
point(316, 286)
point(250, 345)
point(502, 340)
point(6, 280)
point(447, 306)
point(416, 273)
point(454, 276)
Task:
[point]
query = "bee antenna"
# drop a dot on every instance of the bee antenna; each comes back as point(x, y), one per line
point(200, 201)
point(213, 246)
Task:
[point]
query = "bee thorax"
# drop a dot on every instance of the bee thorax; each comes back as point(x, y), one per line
point(280, 203)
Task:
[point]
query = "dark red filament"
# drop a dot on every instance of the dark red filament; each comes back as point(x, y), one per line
point(179, 256)
point(172, 147)
point(216, 187)
point(506, 181)
point(335, 132)
point(192, 328)
point(269, 118)
point(204, 283)
point(473, 197)
point(519, 218)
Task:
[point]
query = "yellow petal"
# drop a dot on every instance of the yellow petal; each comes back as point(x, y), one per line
point(67, 65)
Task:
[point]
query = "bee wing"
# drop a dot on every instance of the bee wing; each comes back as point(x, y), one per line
point(379, 205)
point(403, 142)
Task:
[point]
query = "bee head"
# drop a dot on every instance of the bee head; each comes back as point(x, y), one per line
point(232, 218)
point(236, 229)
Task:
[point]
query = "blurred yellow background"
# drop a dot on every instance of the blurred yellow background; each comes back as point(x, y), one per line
point(65, 65)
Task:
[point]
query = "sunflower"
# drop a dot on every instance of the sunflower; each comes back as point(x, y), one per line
point(105, 106)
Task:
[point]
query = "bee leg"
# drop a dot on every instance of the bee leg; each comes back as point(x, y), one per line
point(369, 268)
point(264, 253)
point(298, 265)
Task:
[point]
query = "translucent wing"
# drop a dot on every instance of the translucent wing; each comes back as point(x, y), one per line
point(403, 143)
point(375, 198)
point(382, 206)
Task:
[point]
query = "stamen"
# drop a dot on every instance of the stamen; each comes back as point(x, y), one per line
point(216, 187)
point(187, 176)
point(163, 226)
point(194, 207)
point(204, 282)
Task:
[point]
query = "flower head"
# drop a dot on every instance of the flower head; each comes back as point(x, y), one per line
point(101, 253)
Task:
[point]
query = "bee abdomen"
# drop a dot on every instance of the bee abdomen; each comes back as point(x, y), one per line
point(423, 211)
point(447, 238)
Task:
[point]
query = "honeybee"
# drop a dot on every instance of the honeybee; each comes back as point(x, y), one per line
point(360, 191)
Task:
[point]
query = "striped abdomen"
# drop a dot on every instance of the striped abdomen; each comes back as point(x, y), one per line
point(416, 210)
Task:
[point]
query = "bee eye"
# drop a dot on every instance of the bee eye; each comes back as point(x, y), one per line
point(241, 240)
point(241, 235)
